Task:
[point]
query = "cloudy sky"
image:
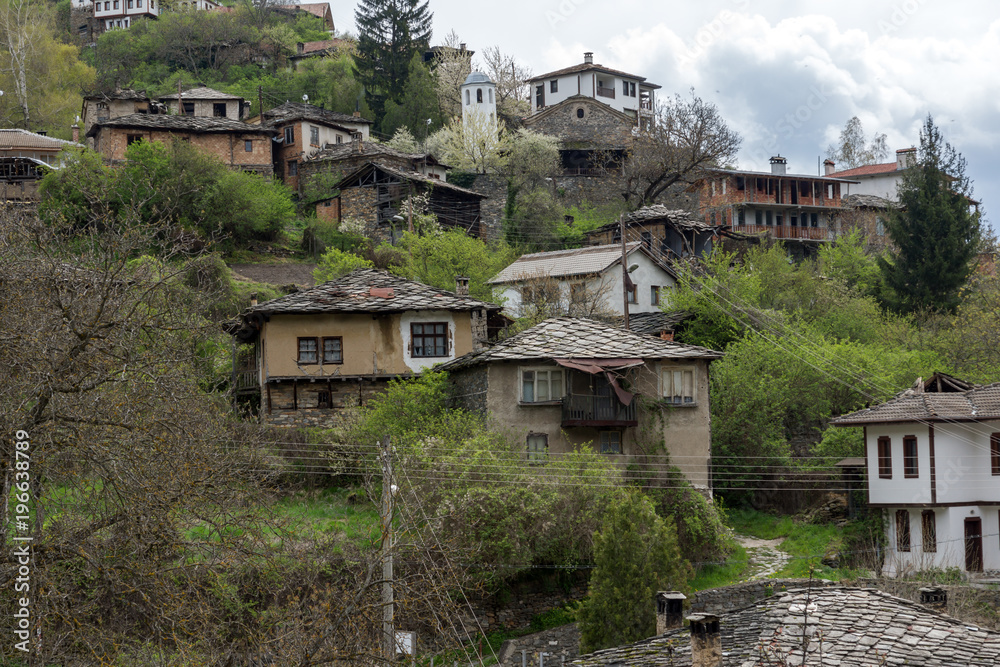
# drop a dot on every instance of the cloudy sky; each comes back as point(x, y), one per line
point(787, 74)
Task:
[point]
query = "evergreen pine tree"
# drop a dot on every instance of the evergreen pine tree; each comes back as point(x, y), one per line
point(935, 234)
point(635, 555)
point(390, 32)
point(419, 104)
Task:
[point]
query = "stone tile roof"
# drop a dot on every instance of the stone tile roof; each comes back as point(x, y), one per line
point(14, 139)
point(564, 263)
point(678, 218)
point(580, 338)
point(915, 404)
point(202, 93)
point(343, 151)
point(592, 67)
point(196, 124)
point(119, 94)
point(867, 201)
point(296, 110)
point(867, 170)
point(650, 323)
point(407, 176)
point(845, 626)
point(368, 291)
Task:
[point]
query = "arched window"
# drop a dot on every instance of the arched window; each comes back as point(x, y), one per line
point(579, 112)
point(479, 95)
point(491, 95)
point(467, 99)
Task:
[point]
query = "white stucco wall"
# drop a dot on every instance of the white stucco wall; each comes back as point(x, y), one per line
point(899, 489)
point(962, 462)
point(881, 185)
point(586, 83)
point(950, 528)
point(417, 364)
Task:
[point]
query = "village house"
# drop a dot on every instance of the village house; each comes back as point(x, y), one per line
point(323, 48)
point(812, 627)
point(25, 158)
point(304, 130)
point(379, 197)
point(102, 106)
point(340, 159)
point(789, 207)
point(877, 180)
point(301, 357)
point(567, 382)
point(932, 455)
point(110, 14)
point(585, 282)
point(667, 234)
point(203, 102)
point(237, 144)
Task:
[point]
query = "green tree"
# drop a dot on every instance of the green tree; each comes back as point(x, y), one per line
point(636, 555)
point(336, 263)
point(390, 33)
point(855, 149)
point(935, 233)
point(418, 109)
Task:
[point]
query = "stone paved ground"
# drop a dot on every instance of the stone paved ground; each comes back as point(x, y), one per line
point(765, 557)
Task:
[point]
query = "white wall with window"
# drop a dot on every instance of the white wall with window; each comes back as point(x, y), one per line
point(428, 338)
point(542, 385)
point(679, 385)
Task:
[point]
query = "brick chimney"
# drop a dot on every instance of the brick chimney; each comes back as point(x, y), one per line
point(588, 58)
point(829, 166)
point(461, 286)
point(906, 157)
point(706, 641)
point(935, 599)
point(669, 610)
point(76, 132)
point(356, 144)
point(778, 165)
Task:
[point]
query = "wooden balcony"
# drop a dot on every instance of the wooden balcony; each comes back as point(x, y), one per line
point(585, 410)
point(606, 92)
point(786, 232)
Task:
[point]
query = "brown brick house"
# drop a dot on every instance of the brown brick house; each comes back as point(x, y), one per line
point(102, 106)
point(203, 102)
point(307, 354)
point(343, 158)
point(237, 144)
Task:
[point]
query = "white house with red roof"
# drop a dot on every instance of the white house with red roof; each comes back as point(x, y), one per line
point(879, 180)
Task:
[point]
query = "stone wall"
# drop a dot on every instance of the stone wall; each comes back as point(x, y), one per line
point(360, 204)
point(491, 210)
point(470, 386)
point(523, 604)
point(740, 596)
point(560, 644)
point(230, 147)
point(582, 122)
point(297, 405)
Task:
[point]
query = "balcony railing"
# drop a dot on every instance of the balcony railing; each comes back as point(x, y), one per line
point(585, 410)
point(786, 232)
point(606, 92)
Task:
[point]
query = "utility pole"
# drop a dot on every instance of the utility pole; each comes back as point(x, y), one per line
point(388, 635)
point(260, 103)
point(409, 226)
point(625, 279)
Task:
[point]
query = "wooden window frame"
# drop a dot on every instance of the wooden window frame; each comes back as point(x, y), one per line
point(667, 386)
point(537, 456)
point(530, 374)
point(633, 294)
point(340, 352)
point(928, 531)
point(654, 295)
point(554, 86)
point(903, 530)
point(248, 145)
point(314, 135)
point(884, 457)
point(606, 446)
point(911, 459)
point(187, 108)
point(422, 336)
point(293, 168)
point(995, 454)
point(132, 138)
point(290, 135)
point(299, 350)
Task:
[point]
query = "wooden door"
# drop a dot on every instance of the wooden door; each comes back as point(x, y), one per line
point(973, 545)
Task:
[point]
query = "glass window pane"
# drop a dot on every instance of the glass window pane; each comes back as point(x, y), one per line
point(557, 384)
point(688, 390)
point(542, 386)
point(528, 387)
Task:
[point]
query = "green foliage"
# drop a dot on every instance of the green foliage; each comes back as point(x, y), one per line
point(417, 108)
point(463, 179)
point(970, 340)
point(840, 443)
point(438, 259)
point(699, 524)
point(534, 219)
point(936, 235)
point(716, 575)
point(636, 555)
point(171, 184)
point(336, 263)
point(585, 218)
point(847, 262)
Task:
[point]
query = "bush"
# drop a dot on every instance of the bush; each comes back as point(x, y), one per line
point(336, 263)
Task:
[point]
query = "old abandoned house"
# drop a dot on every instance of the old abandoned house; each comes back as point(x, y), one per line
point(302, 357)
point(203, 102)
point(668, 234)
point(235, 143)
point(932, 455)
point(568, 381)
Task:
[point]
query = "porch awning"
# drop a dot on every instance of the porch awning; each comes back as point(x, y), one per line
point(608, 367)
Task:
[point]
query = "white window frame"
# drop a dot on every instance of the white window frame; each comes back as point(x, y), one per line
point(667, 380)
point(535, 372)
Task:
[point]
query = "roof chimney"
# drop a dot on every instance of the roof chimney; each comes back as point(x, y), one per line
point(461, 47)
point(253, 299)
point(588, 58)
point(906, 157)
point(829, 166)
point(706, 641)
point(76, 132)
point(356, 141)
point(461, 286)
point(935, 599)
point(669, 610)
point(778, 165)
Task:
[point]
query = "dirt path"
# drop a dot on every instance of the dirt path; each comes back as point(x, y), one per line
point(765, 557)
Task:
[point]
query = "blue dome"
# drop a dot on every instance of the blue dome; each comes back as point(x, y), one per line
point(477, 77)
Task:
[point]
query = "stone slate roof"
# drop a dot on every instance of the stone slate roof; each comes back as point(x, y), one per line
point(592, 67)
point(15, 139)
point(119, 94)
point(916, 404)
point(195, 124)
point(368, 291)
point(650, 323)
point(845, 626)
point(678, 218)
point(296, 110)
point(406, 176)
point(580, 338)
point(202, 93)
point(336, 152)
point(867, 201)
point(565, 263)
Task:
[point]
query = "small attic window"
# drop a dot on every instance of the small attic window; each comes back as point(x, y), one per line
point(579, 112)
